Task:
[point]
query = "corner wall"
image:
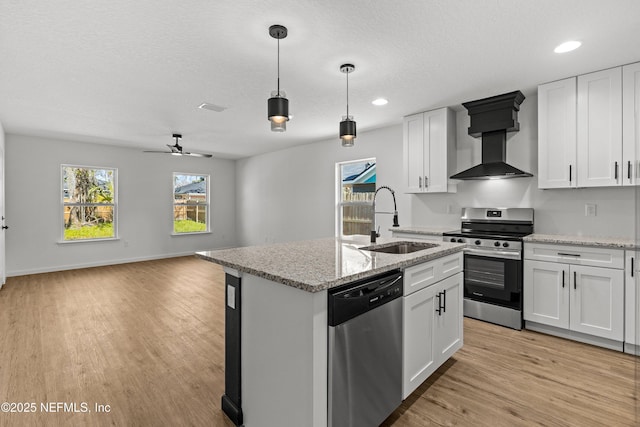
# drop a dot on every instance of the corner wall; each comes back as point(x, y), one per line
point(145, 219)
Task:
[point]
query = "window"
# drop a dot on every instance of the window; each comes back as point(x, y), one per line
point(356, 186)
point(190, 203)
point(88, 203)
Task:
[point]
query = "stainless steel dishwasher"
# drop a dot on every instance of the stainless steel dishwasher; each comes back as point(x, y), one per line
point(365, 351)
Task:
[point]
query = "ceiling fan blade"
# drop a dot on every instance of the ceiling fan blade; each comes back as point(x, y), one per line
point(197, 154)
point(157, 151)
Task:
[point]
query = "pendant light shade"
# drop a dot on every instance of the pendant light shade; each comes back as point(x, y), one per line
point(347, 125)
point(278, 104)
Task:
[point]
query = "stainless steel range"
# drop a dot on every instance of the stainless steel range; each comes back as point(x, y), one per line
point(493, 262)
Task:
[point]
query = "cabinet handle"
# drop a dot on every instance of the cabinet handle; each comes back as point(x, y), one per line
point(616, 172)
point(444, 298)
point(629, 170)
point(420, 182)
point(562, 279)
point(439, 309)
point(632, 268)
point(575, 280)
point(567, 254)
point(569, 173)
point(426, 181)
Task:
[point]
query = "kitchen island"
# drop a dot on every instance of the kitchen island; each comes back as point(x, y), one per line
point(276, 322)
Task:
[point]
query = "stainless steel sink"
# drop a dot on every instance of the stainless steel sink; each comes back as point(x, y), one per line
point(400, 247)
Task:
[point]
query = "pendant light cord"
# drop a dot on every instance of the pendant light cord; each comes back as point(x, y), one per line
point(347, 95)
point(278, 67)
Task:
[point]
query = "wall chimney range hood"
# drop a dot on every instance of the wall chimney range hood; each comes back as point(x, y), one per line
point(491, 119)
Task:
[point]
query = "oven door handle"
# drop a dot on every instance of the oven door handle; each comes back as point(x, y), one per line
point(494, 254)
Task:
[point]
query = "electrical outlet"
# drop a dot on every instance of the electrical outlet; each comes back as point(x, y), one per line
point(449, 208)
point(590, 209)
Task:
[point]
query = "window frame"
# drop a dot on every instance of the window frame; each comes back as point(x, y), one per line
point(207, 205)
point(340, 204)
point(113, 204)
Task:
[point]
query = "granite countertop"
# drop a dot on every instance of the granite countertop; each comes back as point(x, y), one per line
point(315, 265)
point(560, 239)
point(427, 230)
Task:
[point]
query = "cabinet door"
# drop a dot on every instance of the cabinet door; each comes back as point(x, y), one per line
point(419, 357)
point(631, 299)
point(600, 128)
point(413, 152)
point(546, 293)
point(435, 152)
point(597, 301)
point(631, 124)
point(447, 328)
point(557, 134)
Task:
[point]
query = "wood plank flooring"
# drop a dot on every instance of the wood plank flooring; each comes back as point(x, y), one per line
point(147, 339)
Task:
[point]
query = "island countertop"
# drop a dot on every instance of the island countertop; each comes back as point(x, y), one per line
point(315, 265)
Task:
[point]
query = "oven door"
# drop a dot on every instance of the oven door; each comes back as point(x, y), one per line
point(494, 277)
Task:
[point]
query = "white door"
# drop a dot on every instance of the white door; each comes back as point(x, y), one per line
point(546, 293)
point(435, 151)
point(3, 271)
point(631, 298)
point(557, 134)
point(600, 128)
point(419, 359)
point(597, 301)
point(447, 328)
point(631, 124)
point(413, 152)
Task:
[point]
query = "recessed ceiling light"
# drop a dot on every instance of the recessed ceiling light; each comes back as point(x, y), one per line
point(567, 46)
point(380, 101)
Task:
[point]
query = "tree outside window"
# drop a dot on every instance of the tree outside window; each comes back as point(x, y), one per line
point(88, 203)
point(190, 203)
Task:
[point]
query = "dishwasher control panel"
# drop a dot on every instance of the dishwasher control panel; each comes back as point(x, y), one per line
point(354, 299)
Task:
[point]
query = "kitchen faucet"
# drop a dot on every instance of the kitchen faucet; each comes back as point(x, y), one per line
point(375, 233)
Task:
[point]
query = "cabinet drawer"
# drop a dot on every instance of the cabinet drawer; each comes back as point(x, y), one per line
point(422, 275)
point(579, 255)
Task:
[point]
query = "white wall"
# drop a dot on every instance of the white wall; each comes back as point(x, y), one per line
point(33, 205)
point(289, 194)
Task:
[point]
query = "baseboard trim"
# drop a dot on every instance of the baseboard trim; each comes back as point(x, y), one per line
point(576, 336)
point(96, 264)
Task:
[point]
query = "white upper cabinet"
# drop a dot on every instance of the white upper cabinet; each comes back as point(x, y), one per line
point(631, 124)
point(428, 151)
point(600, 128)
point(557, 134)
point(589, 130)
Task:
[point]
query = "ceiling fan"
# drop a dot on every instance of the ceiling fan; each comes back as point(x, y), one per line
point(176, 149)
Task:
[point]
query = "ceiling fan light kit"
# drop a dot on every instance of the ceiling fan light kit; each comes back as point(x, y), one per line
point(278, 104)
point(347, 125)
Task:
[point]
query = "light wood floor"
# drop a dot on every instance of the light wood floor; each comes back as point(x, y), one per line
point(147, 339)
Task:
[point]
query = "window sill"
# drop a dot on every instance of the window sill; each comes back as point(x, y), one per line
point(108, 239)
point(190, 233)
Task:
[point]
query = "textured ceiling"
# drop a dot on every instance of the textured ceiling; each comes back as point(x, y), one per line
point(131, 73)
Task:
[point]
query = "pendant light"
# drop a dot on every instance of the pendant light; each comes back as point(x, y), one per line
point(347, 125)
point(278, 104)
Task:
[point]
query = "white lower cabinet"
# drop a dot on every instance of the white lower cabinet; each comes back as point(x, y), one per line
point(632, 302)
point(565, 294)
point(432, 323)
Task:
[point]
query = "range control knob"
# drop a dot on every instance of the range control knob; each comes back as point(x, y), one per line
point(496, 244)
point(477, 242)
point(505, 244)
point(460, 241)
point(453, 240)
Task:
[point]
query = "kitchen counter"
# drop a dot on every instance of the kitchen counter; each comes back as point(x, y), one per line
point(276, 322)
point(424, 230)
point(316, 265)
point(605, 242)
